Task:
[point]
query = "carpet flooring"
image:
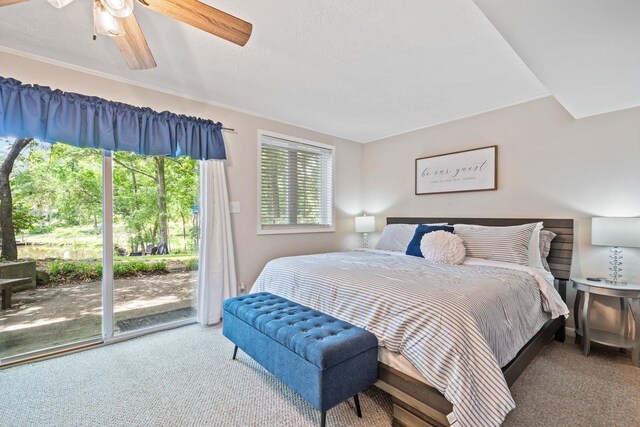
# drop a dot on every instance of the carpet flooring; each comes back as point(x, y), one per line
point(185, 377)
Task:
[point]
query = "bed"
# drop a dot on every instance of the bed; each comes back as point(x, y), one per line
point(464, 332)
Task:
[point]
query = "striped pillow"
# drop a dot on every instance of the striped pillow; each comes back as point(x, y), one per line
point(546, 237)
point(506, 244)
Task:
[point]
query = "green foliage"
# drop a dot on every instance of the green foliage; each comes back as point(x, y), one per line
point(60, 182)
point(57, 193)
point(136, 268)
point(75, 271)
point(192, 264)
point(23, 219)
point(136, 197)
point(42, 229)
point(91, 271)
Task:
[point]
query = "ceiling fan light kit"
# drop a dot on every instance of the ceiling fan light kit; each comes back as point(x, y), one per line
point(115, 18)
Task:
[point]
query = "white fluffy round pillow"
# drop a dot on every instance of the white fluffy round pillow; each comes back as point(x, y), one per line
point(442, 247)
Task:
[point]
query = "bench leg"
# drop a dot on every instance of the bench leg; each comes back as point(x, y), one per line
point(323, 419)
point(235, 351)
point(6, 298)
point(356, 399)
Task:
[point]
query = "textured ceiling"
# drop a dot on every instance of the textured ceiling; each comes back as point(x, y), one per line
point(586, 52)
point(359, 69)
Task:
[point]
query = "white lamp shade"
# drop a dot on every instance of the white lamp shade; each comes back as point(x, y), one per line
point(365, 224)
point(118, 8)
point(104, 23)
point(624, 232)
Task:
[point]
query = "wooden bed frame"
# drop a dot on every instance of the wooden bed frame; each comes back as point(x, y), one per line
point(415, 404)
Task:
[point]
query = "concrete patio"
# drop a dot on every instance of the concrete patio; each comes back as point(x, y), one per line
point(57, 315)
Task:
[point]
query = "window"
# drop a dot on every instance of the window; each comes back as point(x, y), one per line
point(296, 185)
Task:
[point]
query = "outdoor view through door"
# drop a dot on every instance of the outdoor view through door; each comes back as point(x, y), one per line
point(57, 208)
point(156, 225)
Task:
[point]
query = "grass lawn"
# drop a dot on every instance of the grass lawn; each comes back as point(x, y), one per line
point(85, 242)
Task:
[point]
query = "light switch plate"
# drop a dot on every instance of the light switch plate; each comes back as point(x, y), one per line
point(234, 207)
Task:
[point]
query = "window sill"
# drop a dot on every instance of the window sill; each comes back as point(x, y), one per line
point(296, 231)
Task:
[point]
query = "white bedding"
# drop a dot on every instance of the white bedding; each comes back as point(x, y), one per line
point(457, 325)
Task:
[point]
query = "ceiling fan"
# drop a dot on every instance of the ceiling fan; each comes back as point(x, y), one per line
point(115, 18)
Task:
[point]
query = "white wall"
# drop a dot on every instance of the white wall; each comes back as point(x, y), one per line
point(549, 165)
point(252, 251)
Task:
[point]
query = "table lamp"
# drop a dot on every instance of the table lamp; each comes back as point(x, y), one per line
point(365, 225)
point(615, 232)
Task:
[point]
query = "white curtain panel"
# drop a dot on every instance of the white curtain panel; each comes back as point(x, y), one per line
point(217, 272)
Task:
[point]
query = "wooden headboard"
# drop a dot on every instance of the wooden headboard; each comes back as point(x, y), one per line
point(561, 247)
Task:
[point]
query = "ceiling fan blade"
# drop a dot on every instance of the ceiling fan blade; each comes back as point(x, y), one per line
point(133, 45)
point(205, 17)
point(10, 2)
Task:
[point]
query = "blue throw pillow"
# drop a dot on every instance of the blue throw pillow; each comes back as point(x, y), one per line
point(414, 245)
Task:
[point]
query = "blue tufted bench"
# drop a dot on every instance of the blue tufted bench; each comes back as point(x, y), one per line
point(323, 359)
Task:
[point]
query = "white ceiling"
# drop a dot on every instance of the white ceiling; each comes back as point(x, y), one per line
point(360, 69)
point(365, 70)
point(586, 52)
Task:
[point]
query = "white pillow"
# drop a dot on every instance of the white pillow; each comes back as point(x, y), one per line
point(546, 237)
point(441, 247)
point(396, 237)
point(535, 256)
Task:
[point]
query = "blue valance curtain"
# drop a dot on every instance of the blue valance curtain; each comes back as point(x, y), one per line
point(32, 111)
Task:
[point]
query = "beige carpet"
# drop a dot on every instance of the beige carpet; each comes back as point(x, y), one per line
point(185, 377)
point(561, 387)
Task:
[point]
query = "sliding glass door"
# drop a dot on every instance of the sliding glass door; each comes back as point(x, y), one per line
point(112, 240)
point(154, 230)
point(57, 219)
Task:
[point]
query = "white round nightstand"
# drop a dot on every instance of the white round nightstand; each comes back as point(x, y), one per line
point(629, 295)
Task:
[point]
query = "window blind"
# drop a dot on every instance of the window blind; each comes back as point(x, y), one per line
point(296, 182)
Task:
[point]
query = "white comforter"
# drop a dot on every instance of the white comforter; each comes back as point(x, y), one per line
point(456, 324)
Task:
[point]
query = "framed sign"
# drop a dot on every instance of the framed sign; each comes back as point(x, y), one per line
point(469, 170)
